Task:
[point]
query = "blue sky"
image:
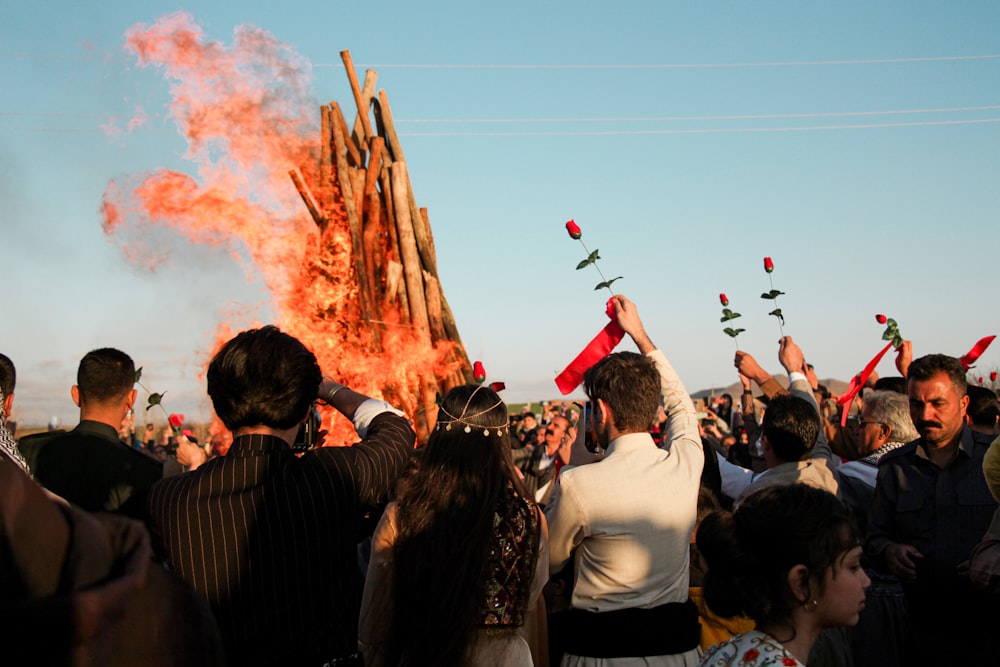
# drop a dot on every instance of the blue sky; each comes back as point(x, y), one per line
point(856, 143)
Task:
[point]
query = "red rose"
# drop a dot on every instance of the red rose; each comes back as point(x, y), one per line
point(573, 229)
point(478, 372)
point(497, 386)
point(768, 264)
point(881, 319)
point(980, 380)
point(724, 299)
point(993, 376)
point(175, 420)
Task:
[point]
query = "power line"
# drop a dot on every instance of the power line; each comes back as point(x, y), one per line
point(601, 133)
point(796, 63)
point(721, 130)
point(634, 119)
point(596, 66)
point(663, 119)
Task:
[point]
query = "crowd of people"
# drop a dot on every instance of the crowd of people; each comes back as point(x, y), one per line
point(639, 527)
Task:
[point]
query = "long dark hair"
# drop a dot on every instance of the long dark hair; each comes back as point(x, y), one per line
point(446, 509)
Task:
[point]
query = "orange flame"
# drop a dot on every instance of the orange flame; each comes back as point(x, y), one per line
point(248, 117)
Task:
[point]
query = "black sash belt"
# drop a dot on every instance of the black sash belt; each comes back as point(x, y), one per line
point(628, 633)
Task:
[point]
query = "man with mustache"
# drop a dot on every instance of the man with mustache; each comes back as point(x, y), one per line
point(931, 507)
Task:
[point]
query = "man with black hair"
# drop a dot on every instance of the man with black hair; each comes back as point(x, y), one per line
point(626, 521)
point(270, 538)
point(931, 507)
point(8, 377)
point(983, 414)
point(8, 446)
point(547, 459)
point(791, 434)
point(89, 466)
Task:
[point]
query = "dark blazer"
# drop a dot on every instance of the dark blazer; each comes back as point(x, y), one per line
point(90, 467)
point(270, 539)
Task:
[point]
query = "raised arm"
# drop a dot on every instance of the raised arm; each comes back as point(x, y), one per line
point(748, 366)
point(682, 425)
point(793, 360)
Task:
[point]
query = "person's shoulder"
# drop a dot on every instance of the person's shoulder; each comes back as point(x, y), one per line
point(187, 481)
point(982, 440)
point(900, 454)
point(41, 437)
point(31, 445)
point(583, 474)
point(139, 458)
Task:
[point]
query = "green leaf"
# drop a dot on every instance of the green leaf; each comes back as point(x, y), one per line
point(591, 258)
point(138, 374)
point(891, 323)
point(773, 294)
point(607, 284)
point(897, 341)
point(154, 399)
point(732, 333)
point(890, 334)
point(729, 315)
point(777, 313)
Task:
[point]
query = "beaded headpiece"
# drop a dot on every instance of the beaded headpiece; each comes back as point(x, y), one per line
point(464, 417)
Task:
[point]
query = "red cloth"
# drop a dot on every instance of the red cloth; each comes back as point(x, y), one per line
point(598, 348)
point(857, 382)
point(977, 350)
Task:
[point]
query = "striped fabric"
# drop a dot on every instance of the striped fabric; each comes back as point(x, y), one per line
point(270, 539)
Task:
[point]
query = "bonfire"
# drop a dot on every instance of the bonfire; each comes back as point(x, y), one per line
point(321, 211)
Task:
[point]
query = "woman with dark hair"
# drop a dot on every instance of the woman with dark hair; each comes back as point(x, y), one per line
point(460, 558)
point(790, 559)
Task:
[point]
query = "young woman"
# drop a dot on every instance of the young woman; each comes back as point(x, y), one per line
point(460, 558)
point(790, 559)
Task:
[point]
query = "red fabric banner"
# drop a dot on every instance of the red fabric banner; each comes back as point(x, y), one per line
point(977, 350)
point(857, 382)
point(600, 347)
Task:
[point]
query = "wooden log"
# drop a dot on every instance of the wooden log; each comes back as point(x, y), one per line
point(307, 197)
point(375, 256)
point(358, 99)
point(374, 165)
point(353, 222)
point(383, 115)
point(429, 390)
point(375, 238)
point(425, 244)
point(388, 128)
point(409, 256)
point(325, 164)
point(424, 236)
point(392, 247)
point(354, 156)
point(367, 93)
point(432, 291)
point(398, 295)
point(393, 276)
point(358, 179)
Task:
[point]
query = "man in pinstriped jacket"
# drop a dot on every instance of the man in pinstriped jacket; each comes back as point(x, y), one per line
point(268, 537)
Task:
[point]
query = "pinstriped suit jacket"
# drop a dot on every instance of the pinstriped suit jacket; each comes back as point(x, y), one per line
point(270, 539)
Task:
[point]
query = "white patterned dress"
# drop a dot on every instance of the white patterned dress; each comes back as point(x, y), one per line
point(750, 649)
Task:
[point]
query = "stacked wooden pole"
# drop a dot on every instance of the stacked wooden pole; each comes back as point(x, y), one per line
point(363, 176)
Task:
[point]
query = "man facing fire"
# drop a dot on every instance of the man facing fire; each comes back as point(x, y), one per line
point(268, 537)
